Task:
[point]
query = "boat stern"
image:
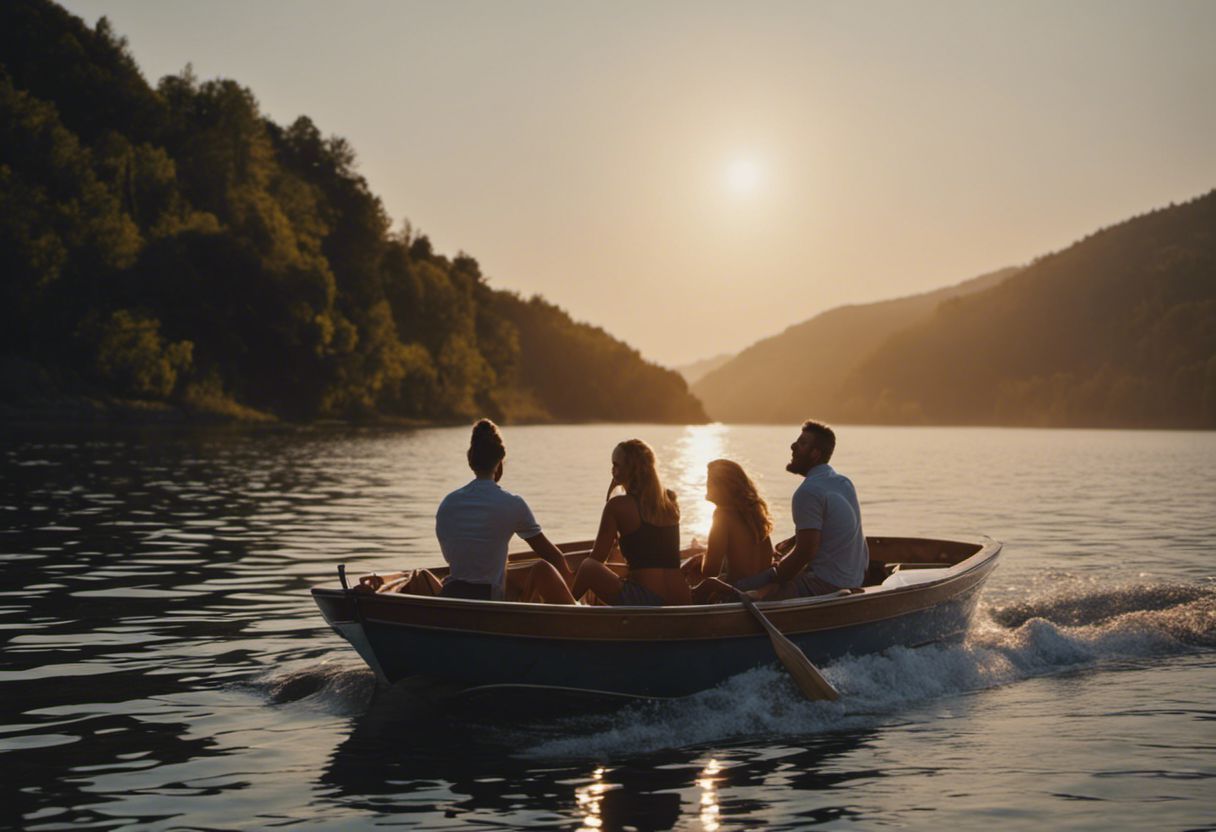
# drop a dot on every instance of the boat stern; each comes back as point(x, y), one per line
point(340, 607)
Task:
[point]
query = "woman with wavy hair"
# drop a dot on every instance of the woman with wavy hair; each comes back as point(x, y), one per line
point(740, 549)
point(645, 520)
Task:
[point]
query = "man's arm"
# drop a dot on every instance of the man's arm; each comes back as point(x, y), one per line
point(806, 546)
point(541, 546)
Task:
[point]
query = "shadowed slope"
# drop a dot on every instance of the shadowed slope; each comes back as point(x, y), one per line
point(788, 376)
point(1118, 330)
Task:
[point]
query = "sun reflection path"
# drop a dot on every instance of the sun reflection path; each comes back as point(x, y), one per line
point(590, 802)
point(708, 782)
point(699, 445)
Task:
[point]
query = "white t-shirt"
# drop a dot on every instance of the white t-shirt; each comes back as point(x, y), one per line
point(474, 525)
point(827, 501)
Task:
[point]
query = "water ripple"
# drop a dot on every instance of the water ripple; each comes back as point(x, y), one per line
point(156, 619)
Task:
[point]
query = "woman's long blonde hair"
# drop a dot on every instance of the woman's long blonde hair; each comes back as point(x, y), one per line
point(742, 496)
point(640, 479)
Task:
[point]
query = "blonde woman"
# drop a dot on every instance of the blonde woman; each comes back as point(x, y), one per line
point(739, 550)
point(645, 519)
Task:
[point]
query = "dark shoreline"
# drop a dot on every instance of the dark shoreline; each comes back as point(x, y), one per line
point(88, 414)
point(96, 414)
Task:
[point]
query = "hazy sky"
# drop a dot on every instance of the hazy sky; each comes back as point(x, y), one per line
point(695, 176)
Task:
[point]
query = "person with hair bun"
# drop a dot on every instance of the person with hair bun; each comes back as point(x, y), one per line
point(475, 524)
point(645, 520)
point(739, 549)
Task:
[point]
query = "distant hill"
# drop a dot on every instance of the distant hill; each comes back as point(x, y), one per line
point(582, 374)
point(697, 370)
point(1118, 330)
point(172, 250)
point(790, 376)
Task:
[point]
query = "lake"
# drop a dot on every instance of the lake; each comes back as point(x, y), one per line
point(163, 665)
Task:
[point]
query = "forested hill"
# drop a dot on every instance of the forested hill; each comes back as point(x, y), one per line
point(799, 372)
point(1118, 330)
point(172, 246)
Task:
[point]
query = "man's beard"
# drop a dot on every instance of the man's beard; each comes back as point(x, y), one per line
point(797, 468)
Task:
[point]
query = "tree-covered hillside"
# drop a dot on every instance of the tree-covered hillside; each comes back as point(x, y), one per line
point(800, 371)
point(171, 244)
point(1118, 330)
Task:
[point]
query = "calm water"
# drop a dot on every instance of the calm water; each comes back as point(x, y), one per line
point(164, 667)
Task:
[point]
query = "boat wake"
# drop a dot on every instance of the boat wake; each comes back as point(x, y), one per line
point(1078, 625)
point(340, 688)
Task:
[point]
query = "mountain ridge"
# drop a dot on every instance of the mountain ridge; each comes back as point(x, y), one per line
point(742, 389)
point(1116, 330)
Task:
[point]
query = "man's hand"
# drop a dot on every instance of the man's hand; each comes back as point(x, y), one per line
point(712, 591)
point(763, 592)
point(804, 551)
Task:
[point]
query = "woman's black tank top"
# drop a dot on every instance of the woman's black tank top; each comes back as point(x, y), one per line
point(652, 547)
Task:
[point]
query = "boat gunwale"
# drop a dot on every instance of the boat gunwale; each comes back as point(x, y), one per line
point(976, 565)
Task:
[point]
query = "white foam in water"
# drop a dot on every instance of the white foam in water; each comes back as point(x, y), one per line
point(341, 688)
point(764, 702)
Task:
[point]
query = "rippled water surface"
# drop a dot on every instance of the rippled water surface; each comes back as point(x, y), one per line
point(163, 665)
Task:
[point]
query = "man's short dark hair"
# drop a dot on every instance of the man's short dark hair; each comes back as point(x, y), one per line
point(825, 438)
point(486, 448)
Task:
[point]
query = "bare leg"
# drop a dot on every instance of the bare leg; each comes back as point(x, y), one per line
point(546, 585)
point(595, 576)
point(426, 582)
point(419, 582)
point(376, 582)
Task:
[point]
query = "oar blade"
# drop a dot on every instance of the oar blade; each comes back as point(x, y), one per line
point(808, 678)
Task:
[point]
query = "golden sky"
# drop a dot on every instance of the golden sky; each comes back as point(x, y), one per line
point(694, 176)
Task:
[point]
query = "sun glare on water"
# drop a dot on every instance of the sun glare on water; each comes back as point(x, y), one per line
point(695, 449)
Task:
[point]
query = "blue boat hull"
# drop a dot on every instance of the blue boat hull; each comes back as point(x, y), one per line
point(645, 652)
point(642, 668)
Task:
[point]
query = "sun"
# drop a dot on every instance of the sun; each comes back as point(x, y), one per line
point(744, 175)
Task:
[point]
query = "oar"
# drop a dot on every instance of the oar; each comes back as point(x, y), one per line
point(808, 678)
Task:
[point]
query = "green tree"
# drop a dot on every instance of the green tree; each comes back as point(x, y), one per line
point(134, 360)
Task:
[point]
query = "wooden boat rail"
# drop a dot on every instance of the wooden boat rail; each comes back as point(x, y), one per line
point(967, 564)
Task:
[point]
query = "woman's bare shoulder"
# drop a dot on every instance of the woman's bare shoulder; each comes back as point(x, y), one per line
point(727, 518)
point(621, 503)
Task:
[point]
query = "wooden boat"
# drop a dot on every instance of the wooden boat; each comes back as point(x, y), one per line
point(918, 592)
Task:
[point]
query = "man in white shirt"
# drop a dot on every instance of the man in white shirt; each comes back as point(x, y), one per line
point(475, 524)
point(829, 550)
